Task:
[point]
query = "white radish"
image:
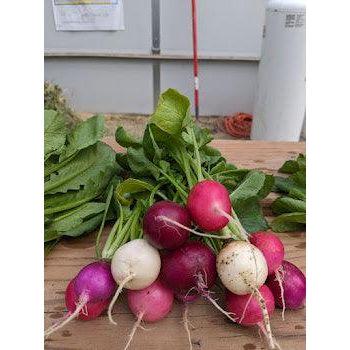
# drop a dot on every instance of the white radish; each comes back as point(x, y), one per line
point(241, 267)
point(135, 266)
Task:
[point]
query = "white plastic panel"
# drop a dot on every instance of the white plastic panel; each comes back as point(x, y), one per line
point(225, 27)
point(136, 38)
point(104, 85)
point(224, 88)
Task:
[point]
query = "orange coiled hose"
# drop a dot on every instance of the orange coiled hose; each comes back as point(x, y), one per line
point(239, 125)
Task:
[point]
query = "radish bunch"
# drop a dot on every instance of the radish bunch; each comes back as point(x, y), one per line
point(250, 267)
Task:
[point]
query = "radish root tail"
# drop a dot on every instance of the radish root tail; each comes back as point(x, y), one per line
point(164, 218)
point(186, 324)
point(279, 279)
point(263, 330)
point(267, 325)
point(133, 331)
point(58, 322)
point(205, 293)
point(116, 295)
point(213, 301)
point(79, 307)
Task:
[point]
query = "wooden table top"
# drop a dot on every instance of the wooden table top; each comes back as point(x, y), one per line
point(211, 330)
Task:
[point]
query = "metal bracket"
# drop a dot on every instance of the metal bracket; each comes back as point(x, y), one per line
point(155, 27)
point(156, 50)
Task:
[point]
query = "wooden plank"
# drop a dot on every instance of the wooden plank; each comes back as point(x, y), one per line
point(212, 331)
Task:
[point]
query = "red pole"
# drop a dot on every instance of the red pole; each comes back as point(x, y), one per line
point(195, 58)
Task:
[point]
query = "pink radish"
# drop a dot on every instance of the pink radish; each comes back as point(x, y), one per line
point(92, 287)
point(164, 234)
point(294, 286)
point(153, 302)
point(150, 304)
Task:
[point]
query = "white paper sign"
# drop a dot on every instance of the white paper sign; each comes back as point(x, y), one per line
point(81, 15)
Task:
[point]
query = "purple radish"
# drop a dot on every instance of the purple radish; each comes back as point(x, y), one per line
point(92, 309)
point(93, 284)
point(294, 286)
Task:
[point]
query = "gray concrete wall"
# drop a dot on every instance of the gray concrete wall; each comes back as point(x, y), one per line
point(225, 87)
point(229, 33)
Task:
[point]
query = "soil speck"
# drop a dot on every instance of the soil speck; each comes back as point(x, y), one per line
point(66, 333)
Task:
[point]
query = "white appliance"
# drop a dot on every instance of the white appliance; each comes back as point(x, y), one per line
point(280, 100)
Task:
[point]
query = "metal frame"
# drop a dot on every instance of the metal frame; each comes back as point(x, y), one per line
point(156, 50)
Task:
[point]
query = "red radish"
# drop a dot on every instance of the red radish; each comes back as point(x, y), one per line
point(246, 308)
point(186, 297)
point(294, 286)
point(272, 248)
point(185, 268)
point(164, 234)
point(207, 203)
point(190, 271)
point(167, 225)
point(150, 304)
point(93, 286)
point(135, 265)
point(254, 309)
